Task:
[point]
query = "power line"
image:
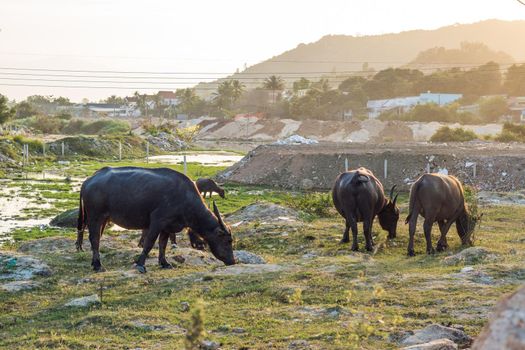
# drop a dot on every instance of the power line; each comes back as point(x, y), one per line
point(444, 66)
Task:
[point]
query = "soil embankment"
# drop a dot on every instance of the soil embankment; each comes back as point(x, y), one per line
point(488, 166)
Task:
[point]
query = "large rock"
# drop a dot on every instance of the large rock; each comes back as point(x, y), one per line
point(439, 344)
point(435, 332)
point(264, 213)
point(84, 301)
point(193, 257)
point(472, 255)
point(14, 266)
point(67, 219)
point(244, 257)
point(506, 329)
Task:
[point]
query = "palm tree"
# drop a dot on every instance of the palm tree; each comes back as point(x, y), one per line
point(141, 103)
point(237, 89)
point(223, 96)
point(273, 83)
point(187, 99)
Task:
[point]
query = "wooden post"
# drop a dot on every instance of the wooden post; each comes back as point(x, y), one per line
point(185, 165)
point(346, 164)
point(119, 151)
point(147, 151)
point(386, 168)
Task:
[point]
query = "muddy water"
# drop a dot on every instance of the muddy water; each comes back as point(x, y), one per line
point(210, 159)
point(12, 204)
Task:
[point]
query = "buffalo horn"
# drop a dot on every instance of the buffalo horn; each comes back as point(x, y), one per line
point(218, 215)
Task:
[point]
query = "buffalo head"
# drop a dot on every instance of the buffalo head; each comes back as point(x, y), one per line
point(466, 224)
point(389, 215)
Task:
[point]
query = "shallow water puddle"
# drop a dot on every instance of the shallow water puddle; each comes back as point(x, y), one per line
point(215, 159)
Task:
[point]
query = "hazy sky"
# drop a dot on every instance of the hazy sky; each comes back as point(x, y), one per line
point(197, 36)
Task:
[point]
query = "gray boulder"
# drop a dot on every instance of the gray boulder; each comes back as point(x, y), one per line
point(84, 301)
point(470, 256)
point(244, 257)
point(506, 329)
point(439, 344)
point(67, 219)
point(435, 332)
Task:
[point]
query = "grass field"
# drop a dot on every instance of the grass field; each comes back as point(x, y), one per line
point(318, 291)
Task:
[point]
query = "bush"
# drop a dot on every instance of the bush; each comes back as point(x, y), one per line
point(104, 127)
point(34, 145)
point(511, 133)
point(318, 204)
point(187, 134)
point(446, 134)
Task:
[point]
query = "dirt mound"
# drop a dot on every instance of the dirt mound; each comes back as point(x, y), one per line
point(167, 142)
point(263, 213)
point(487, 166)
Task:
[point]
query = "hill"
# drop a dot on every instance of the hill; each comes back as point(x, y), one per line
point(339, 55)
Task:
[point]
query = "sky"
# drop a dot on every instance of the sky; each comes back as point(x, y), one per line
point(55, 40)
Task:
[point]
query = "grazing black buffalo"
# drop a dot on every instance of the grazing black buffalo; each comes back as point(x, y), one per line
point(358, 196)
point(159, 200)
point(206, 186)
point(439, 198)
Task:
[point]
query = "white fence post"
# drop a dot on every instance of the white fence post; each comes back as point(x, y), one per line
point(346, 164)
point(185, 165)
point(474, 169)
point(147, 151)
point(386, 168)
point(428, 168)
point(119, 151)
point(63, 149)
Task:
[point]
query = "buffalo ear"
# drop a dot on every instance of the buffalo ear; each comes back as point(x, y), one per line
point(218, 215)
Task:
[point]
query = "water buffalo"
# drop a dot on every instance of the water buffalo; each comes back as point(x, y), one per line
point(358, 196)
point(439, 197)
point(206, 186)
point(159, 200)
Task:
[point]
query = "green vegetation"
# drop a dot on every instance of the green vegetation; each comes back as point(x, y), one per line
point(511, 133)
point(314, 204)
point(5, 112)
point(63, 124)
point(446, 134)
point(335, 299)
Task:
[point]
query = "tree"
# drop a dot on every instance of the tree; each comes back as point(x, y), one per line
point(115, 100)
point(515, 80)
point(141, 103)
point(491, 109)
point(189, 102)
point(5, 111)
point(62, 101)
point(25, 110)
point(301, 84)
point(237, 89)
point(273, 83)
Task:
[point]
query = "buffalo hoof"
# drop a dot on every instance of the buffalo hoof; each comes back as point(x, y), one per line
point(431, 251)
point(174, 246)
point(411, 252)
point(343, 241)
point(141, 268)
point(391, 236)
point(355, 248)
point(166, 266)
point(441, 247)
point(370, 248)
point(79, 247)
point(99, 269)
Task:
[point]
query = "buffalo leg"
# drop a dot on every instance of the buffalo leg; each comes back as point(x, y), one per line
point(149, 241)
point(443, 229)
point(427, 228)
point(95, 228)
point(346, 235)
point(367, 230)
point(163, 242)
point(142, 237)
point(196, 241)
point(173, 239)
point(412, 223)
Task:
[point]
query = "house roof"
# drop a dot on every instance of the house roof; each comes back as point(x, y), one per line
point(167, 94)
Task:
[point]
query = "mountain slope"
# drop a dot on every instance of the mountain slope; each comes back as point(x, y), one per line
point(344, 54)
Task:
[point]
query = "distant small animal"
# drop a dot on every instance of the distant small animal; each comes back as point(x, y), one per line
point(206, 186)
point(439, 197)
point(358, 196)
point(160, 201)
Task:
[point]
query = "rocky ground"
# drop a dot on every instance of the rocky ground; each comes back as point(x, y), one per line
point(297, 288)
